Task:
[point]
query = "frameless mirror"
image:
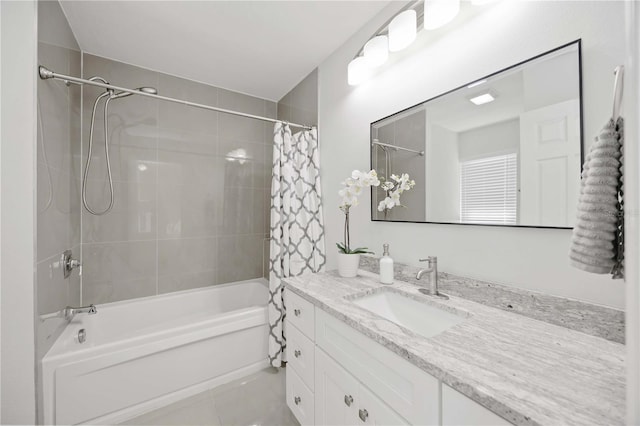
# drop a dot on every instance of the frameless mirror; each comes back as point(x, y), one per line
point(505, 149)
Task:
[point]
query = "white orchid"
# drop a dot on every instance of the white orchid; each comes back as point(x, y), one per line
point(354, 185)
point(395, 186)
point(352, 189)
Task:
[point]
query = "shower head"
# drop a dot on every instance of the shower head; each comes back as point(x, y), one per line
point(149, 90)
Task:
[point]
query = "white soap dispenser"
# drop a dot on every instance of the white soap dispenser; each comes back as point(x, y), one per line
point(386, 266)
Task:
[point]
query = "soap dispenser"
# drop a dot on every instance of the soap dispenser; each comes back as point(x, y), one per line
point(386, 266)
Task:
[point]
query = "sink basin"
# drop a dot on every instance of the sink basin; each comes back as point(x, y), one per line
point(416, 316)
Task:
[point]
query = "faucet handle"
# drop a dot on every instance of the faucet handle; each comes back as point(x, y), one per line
point(430, 259)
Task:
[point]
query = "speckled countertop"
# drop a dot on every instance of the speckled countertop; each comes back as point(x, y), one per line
point(527, 371)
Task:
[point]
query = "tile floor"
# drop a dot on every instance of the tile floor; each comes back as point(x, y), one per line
point(258, 399)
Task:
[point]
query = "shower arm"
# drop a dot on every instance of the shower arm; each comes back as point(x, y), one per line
point(46, 73)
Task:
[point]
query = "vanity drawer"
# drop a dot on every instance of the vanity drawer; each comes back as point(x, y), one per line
point(301, 314)
point(299, 398)
point(301, 355)
point(408, 390)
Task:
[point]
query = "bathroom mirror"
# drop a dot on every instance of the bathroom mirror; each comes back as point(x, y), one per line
point(505, 149)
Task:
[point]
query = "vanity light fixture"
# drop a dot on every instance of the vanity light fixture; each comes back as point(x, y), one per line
point(403, 30)
point(376, 51)
point(399, 32)
point(484, 98)
point(358, 70)
point(438, 13)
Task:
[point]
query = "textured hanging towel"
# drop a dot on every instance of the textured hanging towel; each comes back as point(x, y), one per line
point(596, 242)
point(297, 228)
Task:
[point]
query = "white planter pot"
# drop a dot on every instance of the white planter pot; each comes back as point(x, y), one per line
point(348, 265)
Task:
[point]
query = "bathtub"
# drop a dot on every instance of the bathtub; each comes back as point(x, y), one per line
point(143, 354)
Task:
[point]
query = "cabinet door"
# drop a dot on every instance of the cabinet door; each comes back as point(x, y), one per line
point(372, 411)
point(335, 393)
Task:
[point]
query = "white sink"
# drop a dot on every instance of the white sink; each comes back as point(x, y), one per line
point(418, 317)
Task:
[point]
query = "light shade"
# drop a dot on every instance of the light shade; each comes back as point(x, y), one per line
point(402, 30)
point(376, 51)
point(358, 71)
point(439, 12)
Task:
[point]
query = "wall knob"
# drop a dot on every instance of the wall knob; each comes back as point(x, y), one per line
point(297, 353)
point(296, 312)
point(297, 400)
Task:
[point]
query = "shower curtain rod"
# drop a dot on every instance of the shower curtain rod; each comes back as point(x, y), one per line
point(396, 147)
point(46, 73)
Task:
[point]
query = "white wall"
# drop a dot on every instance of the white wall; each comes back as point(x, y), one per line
point(17, 154)
point(506, 33)
point(443, 174)
point(632, 212)
point(496, 138)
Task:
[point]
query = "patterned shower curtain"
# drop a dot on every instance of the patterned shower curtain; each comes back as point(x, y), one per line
point(297, 227)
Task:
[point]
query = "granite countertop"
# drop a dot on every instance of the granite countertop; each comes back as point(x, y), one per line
point(527, 371)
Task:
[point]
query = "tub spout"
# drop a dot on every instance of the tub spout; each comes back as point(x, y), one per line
point(70, 312)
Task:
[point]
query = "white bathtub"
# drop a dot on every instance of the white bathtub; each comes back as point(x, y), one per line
point(143, 354)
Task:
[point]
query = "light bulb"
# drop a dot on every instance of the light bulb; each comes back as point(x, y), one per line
point(358, 71)
point(376, 51)
point(439, 12)
point(402, 30)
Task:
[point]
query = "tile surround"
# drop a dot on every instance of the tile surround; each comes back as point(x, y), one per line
point(187, 213)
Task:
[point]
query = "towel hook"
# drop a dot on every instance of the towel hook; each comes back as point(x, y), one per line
point(617, 90)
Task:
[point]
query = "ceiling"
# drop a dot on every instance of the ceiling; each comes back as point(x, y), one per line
point(262, 48)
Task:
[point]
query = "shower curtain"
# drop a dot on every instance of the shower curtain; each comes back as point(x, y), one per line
point(297, 227)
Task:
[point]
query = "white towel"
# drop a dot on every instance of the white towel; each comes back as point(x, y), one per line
point(594, 242)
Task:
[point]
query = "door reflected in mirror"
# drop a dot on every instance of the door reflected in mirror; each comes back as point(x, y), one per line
point(505, 149)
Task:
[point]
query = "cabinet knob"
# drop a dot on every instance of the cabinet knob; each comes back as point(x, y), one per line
point(364, 414)
point(348, 400)
point(296, 312)
point(297, 400)
point(297, 353)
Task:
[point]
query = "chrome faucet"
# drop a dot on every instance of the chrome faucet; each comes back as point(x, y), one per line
point(69, 312)
point(432, 270)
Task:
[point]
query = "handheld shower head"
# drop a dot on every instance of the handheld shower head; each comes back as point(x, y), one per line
point(150, 90)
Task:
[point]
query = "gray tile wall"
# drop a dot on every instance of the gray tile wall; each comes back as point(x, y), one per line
point(191, 188)
point(300, 105)
point(57, 192)
point(410, 132)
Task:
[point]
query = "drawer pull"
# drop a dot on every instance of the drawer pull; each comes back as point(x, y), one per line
point(348, 400)
point(297, 353)
point(296, 312)
point(297, 400)
point(364, 414)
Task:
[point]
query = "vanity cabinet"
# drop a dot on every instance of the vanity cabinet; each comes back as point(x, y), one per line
point(340, 399)
point(300, 328)
point(338, 376)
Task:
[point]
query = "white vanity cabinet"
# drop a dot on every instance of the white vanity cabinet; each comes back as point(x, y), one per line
point(340, 399)
point(300, 328)
point(338, 376)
